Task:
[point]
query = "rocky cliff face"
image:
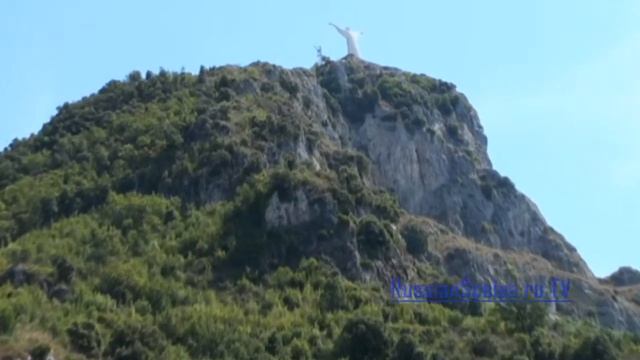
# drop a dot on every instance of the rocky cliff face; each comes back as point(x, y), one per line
point(625, 276)
point(442, 170)
point(425, 145)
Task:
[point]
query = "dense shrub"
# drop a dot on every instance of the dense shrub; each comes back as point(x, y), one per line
point(333, 296)
point(40, 352)
point(416, 239)
point(7, 319)
point(289, 85)
point(394, 90)
point(524, 316)
point(446, 103)
point(372, 237)
point(597, 347)
point(85, 338)
point(453, 131)
point(542, 346)
point(135, 341)
point(363, 338)
point(484, 346)
point(407, 349)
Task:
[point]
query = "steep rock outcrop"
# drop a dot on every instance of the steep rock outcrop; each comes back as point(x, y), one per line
point(625, 276)
point(423, 142)
point(433, 158)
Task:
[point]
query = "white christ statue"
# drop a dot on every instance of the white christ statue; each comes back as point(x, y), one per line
point(352, 38)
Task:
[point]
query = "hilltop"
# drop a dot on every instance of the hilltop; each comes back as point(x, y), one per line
point(260, 212)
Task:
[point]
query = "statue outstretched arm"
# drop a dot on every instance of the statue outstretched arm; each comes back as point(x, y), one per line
point(342, 32)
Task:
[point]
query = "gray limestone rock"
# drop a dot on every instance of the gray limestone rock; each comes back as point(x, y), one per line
point(625, 276)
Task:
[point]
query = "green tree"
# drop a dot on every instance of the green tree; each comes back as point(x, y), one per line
point(40, 352)
point(6, 225)
point(597, 347)
point(7, 319)
point(85, 338)
point(136, 341)
point(542, 348)
point(524, 316)
point(333, 296)
point(407, 349)
point(363, 339)
point(372, 237)
point(416, 239)
point(484, 346)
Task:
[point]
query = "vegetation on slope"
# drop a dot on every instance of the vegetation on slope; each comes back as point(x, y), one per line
point(133, 227)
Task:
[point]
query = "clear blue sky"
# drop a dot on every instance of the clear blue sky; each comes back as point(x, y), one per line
point(556, 83)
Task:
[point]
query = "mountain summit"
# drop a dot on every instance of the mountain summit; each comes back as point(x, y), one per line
point(138, 216)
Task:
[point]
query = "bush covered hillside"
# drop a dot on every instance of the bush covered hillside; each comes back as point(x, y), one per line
point(233, 214)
